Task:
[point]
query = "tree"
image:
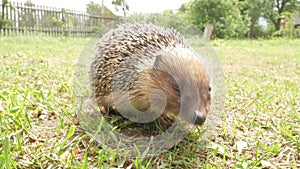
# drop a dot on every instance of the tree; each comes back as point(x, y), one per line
point(168, 19)
point(253, 9)
point(96, 9)
point(93, 8)
point(273, 9)
point(224, 15)
point(99, 10)
point(268, 9)
point(123, 4)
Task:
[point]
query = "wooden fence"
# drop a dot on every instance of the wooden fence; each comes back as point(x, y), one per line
point(24, 18)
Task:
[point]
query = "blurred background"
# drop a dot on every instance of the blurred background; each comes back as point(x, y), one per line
point(222, 19)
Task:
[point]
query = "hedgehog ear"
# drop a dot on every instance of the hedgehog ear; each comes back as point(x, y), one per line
point(158, 61)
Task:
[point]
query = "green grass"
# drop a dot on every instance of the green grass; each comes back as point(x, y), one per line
point(260, 125)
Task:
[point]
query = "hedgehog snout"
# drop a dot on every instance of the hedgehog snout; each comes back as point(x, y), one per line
point(199, 117)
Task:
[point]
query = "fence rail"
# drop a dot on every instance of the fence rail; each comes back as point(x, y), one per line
point(28, 18)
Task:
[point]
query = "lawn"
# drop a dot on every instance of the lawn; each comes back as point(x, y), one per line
point(259, 128)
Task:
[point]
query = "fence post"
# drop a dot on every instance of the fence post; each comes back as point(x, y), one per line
point(2, 16)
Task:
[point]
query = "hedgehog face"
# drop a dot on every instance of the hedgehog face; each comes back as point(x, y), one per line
point(185, 82)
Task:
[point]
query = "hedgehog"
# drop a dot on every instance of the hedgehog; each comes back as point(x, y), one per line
point(149, 73)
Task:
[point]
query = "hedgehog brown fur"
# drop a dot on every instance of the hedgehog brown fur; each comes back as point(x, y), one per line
point(141, 59)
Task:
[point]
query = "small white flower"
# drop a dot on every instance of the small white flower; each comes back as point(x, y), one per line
point(40, 82)
point(31, 85)
point(240, 145)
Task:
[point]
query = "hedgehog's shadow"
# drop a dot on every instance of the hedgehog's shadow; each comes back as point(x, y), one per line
point(133, 129)
point(186, 147)
point(191, 140)
point(138, 135)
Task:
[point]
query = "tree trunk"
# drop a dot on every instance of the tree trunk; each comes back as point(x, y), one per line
point(278, 24)
point(208, 31)
point(276, 21)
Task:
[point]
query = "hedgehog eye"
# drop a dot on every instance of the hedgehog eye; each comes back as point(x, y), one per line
point(209, 89)
point(176, 87)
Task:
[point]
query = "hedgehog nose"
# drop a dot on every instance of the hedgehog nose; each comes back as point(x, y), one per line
point(200, 118)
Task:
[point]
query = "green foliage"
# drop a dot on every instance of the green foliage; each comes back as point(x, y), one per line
point(27, 16)
point(93, 8)
point(289, 31)
point(254, 10)
point(117, 2)
point(257, 31)
point(292, 6)
point(238, 18)
point(122, 3)
point(223, 14)
point(168, 19)
point(96, 24)
point(49, 20)
point(96, 9)
point(272, 10)
point(5, 22)
point(27, 20)
point(98, 27)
